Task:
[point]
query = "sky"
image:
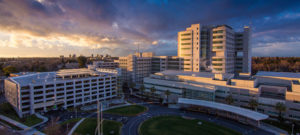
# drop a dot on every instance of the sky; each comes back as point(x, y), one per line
point(49, 28)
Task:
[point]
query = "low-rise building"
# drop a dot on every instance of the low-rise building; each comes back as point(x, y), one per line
point(103, 64)
point(267, 89)
point(41, 92)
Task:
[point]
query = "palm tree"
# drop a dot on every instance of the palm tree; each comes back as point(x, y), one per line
point(280, 107)
point(142, 89)
point(253, 104)
point(131, 85)
point(167, 93)
point(152, 90)
point(229, 100)
point(184, 92)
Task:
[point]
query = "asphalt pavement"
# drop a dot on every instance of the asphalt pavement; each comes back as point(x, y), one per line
point(133, 123)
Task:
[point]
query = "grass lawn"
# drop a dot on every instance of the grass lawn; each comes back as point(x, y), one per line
point(67, 125)
point(10, 125)
point(131, 110)
point(8, 111)
point(284, 126)
point(88, 126)
point(176, 125)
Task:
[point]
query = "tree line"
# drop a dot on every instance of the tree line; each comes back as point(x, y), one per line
point(276, 64)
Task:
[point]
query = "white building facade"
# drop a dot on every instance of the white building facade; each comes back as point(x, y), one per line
point(266, 88)
point(41, 92)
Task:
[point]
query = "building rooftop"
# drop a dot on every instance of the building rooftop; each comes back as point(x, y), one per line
point(229, 108)
point(279, 74)
point(44, 77)
point(34, 78)
point(69, 72)
point(194, 74)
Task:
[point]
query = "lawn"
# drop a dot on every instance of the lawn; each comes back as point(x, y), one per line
point(284, 126)
point(88, 126)
point(8, 111)
point(67, 125)
point(131, 110)
point(176, 125)
point(10, 125)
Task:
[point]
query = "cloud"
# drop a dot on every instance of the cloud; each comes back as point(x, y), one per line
point(113, 26)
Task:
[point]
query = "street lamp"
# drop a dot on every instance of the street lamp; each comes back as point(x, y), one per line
point(293, 129)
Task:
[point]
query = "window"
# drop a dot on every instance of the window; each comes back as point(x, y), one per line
point(217, 37)
point(217, 42)
point(218, 69)
point(186, 34)
point(218, 31)
point(186, 55)
point(218, 47)
point(218, 59)
point(49, 85)
point(217, 64)
point(183, 39)
point(59, 84)
point(185, 48)
point(38, 87)
point(185, 43)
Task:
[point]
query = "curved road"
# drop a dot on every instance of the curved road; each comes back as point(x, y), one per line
point(132, 125)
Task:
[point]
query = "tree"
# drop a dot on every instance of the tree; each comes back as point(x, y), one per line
point(9, 69)
point(152, 90)
point(82, 61)
point(53, 128)
point(1, 68)
point(229, 100)
point(280, 107)
point(184, 92)
point(132, 85)
point(167, 93)
point(142, 89)
point(253, 104)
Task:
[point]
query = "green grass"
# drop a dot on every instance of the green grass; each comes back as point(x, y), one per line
point(74, 120)
point(284, 126)
point(175, 125)
point(8, 111)
point(88, 126)
point(10, 125)
point(131, 110)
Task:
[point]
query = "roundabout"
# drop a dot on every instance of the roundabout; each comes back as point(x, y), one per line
point(176, 125)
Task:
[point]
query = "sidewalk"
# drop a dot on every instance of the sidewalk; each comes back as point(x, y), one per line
point(45, 119)
point(13, 122)
point(273, 129)
point(75, 126)
point(26, 130)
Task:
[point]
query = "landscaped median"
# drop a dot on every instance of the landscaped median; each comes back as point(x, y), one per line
point(8, 111)
point(176, 125)
point(88, 126)
point(131, 110)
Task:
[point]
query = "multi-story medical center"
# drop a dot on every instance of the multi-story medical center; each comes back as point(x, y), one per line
point(40, 92)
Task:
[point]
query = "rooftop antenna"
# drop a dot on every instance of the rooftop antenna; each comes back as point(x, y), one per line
point(138, 47)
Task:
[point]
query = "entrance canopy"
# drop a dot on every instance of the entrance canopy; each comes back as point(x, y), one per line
point(229, 108)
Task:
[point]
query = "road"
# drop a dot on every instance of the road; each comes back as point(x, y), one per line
point(132, 125)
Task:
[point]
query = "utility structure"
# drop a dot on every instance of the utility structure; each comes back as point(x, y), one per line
point(99, 128)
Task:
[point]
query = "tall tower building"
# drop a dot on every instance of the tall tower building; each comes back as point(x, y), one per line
point(243, 51)
point(193, 47)
point(218, 49)
point(223, 50)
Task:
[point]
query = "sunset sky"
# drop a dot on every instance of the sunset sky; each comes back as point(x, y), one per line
point(60, 27)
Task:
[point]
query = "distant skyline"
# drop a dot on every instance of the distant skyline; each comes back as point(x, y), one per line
point(49, 28)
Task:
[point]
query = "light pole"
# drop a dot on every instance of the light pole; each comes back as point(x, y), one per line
point(99, 119)
point(293, 129)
